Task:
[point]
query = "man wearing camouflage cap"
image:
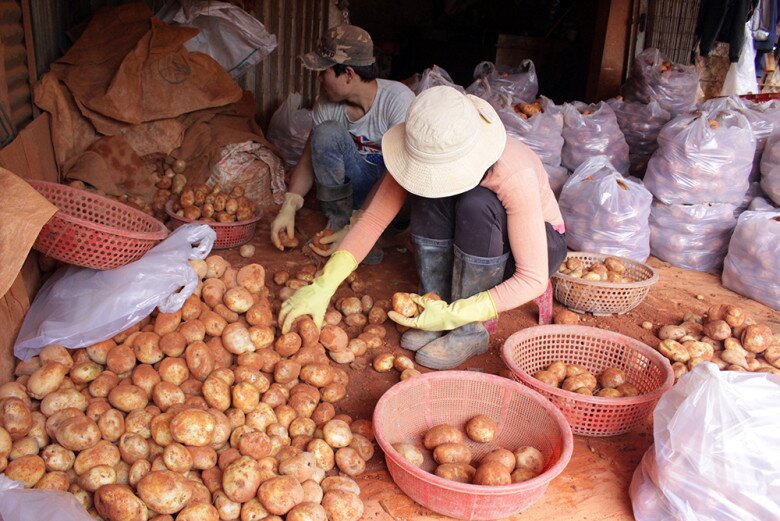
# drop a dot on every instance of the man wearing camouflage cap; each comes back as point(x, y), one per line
point(343, 155)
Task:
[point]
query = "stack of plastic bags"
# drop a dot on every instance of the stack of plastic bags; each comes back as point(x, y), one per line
point(654, 78)
point(770, 168)
point(751, 267)
point(605, 212)
point(700, 173)
point(592, 130)
point(640, 124)
point(502, 85)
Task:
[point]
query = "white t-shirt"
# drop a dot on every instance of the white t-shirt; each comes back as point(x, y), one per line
point(389, 108)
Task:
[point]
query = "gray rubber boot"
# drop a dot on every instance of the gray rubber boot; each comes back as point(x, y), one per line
point(434, 269)
point(470, 275)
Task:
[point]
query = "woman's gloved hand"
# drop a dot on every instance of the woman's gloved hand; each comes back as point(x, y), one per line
point(437, 315)
point(334, 240)
point(313, 299)
point(285, 219)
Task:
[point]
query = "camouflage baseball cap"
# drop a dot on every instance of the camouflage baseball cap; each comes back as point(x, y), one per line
point(346, 44)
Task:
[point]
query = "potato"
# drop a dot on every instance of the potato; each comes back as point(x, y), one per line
point(452, 453)
point(734, 357)
point(404, 305)
point(166, 394)
point(521, 474)
point(440, 434)
point(241, 479)
point(103, 453)
point(288, 344)
point(409, 373)
point(492, 473)
point(302, 466)
point(96, 477)
point(280, 494)
point(77, 433)
point(574, 370)
point(128, 397)
point(317, 374)
point(615, 265)
point(612, 377)
point(55, 457)
point(238, 299)
point(340, 505)
point(410, 453)
point(24, 447)
point(679, 369)
point(671, 332)
point(64, 399)
point(349, 461)
point(383, 362)
point(193, 427)
point(343, 483)
point(502, 456)
point(460, 472)
point(573, 383)
point(54, 481)
point(481, 429)
point(118, 503)
point(200, 511)
point(84, 372)
point(334, 338)
point(627, 389)
point(46, 379)
point(133, 447)
point(717, 330)
point(757, 338)
point(530, 458)
point(673, 350)
point(558, 369)
point(164, 491)
point(333, 392)
point(337, 433)
point(564, 316)
point(363, 446)
point(27, 469)
point(251, 277)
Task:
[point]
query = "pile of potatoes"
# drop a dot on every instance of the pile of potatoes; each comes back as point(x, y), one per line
point(454, 458)
point(611, 270)
point(204, 414)
point(725, 336)
point(210, 204)
point(527, 110)
point(576, 378)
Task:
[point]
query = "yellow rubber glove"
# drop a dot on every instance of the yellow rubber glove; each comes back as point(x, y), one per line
point(437, 315)
point(285, 219)
point(335, 239)
point(313, 299)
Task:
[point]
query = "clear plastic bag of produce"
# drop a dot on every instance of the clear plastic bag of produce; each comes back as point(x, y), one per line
point(20, 504)
point(751, 267)
point(434, 77)
point(542, 132)
point(653, 77)
point(640, 123)
point(715, 451)
point(289, 128)
point(770, 167)
point(702, 158)
point(694, 237)
point(230, 35)
point(504, 86)
point(79, 307)
point(605, 212)
point(763, 118)
point(558, 176)
point(592, 130)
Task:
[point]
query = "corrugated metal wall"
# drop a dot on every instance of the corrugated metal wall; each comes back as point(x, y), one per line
point(671, 26)
point(297, 25)
point(16, 79)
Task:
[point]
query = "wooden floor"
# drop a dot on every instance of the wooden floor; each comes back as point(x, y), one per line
point(593, 487)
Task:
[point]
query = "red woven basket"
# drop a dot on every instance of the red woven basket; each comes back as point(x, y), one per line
point(533, 349)
point(229, 235)
point(94, 231)
point(408, 409)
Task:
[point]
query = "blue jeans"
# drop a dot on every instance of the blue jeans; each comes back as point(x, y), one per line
point(336, 161)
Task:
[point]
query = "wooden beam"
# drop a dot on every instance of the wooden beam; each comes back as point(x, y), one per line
point(610, 47)
point(29, 45)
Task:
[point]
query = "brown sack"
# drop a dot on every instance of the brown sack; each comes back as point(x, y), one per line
point(110, 165)
point(23, 212)
point(130, 67)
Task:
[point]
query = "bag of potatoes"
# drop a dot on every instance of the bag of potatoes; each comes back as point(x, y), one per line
point(653, 77)
point(605, 212)
point(592, 130)
point(751, 267)
point(770, 167)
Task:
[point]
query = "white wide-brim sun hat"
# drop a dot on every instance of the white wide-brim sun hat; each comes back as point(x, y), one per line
point(445, 146)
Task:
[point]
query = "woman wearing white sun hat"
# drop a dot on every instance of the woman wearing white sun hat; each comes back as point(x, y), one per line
point(479, 201)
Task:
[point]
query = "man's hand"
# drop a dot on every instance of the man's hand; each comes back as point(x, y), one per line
point(437, 315)
point(335, 238)
point(285, 219)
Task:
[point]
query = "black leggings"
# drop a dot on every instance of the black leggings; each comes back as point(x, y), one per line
point(476, 221)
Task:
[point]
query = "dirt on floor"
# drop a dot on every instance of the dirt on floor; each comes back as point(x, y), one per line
point(603, 465)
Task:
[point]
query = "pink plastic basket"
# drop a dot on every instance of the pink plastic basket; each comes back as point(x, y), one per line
point(408, 409)
point(229, 235)
point(94, 231)
point(533, 349)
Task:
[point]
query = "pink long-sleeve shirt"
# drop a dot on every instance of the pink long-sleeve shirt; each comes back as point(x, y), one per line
point(521, 184)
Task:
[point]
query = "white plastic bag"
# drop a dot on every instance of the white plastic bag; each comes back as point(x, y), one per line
point(605, 212)
point(20, 504)
point(696, 163)
point(715, 451)
point(741, 77)
point(770, 167)
point(79, 307)
point(694, 237)
point(653, 77)
point(504, 86)
point(234, 38)
point(434, 77)
point(290, 127)
point(640, 123)
point(751, 267)
point(542, 132)
point(592, 130)
point(558, 176)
